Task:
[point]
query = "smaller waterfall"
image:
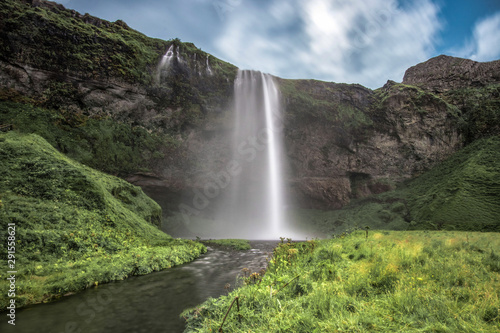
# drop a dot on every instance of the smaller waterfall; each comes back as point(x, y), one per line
point(196, 66)
point(168, 56)
point(209, 69)
point(166, 61)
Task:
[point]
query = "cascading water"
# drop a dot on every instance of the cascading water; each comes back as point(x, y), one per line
point(166, 61)
point(253, 204)
point(209, 69)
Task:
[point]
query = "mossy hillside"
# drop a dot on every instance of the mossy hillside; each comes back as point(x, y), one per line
point(75, 227)
point(461, 193)
point(480, 108)
point(333, 103)
point(70, 44)
point(101, 143)
point(416, 98)
point(386, 281)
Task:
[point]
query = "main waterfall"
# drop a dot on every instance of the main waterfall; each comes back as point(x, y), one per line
point(254, 202)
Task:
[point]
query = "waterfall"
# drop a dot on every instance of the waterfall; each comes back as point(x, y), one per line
point(166, 61)
point(209, 69)
point(245, 196)
point(254, 203)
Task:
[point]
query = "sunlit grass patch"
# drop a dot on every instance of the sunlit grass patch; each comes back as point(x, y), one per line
point(415, 281)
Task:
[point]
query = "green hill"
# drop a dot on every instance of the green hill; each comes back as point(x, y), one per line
point(461, 193)
point(74, 226)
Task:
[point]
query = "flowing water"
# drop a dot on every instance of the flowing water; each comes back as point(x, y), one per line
point(166, 61)
point(253, 205)
point(150, 303)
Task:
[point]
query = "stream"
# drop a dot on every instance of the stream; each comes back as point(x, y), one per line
point(150, 303)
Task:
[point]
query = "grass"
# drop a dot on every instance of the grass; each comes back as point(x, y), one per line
point(233, 244)
point(390, 281)
point(462, 193)
point(75, 227)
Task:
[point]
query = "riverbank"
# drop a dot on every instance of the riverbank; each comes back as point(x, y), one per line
point(68, 227)
point(148, 303)
point(398, 281)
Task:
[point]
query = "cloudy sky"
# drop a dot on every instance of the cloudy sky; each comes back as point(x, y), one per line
point(352, 41)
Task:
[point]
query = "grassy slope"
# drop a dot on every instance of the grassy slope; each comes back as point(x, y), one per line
point(75, 226)
point(462, 193)
point(480, 108)
point(414, 281)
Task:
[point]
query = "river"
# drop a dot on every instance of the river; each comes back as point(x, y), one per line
point(150, 303)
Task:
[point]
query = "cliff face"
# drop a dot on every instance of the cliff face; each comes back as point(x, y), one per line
point(90, 70)
point(62, 59)
point(444, 73)
point(361, 142)
point(343, 141)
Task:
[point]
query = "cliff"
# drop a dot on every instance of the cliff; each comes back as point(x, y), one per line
point(64, 60)
point(444, 73)
point(353, 142)
point(158, 113)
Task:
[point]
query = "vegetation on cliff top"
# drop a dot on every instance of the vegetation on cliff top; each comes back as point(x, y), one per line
point(72, 45)
point(389, 281)
point(81, 44)
point(335, 103)
point(75, 227)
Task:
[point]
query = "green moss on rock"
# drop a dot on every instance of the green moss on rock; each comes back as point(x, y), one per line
point(461, 193)
point(102, 143)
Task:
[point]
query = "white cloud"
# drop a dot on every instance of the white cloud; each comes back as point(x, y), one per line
point(485, 42)
point(363, 42)
point(487, 39)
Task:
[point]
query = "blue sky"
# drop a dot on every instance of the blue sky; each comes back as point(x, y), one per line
point(351, 41)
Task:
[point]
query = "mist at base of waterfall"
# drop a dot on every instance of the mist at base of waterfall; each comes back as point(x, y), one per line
point(246, 196)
